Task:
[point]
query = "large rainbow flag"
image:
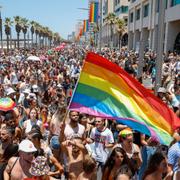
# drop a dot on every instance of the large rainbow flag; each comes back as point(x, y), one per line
point(106, 90)
point(85, 25)
point(93, 13)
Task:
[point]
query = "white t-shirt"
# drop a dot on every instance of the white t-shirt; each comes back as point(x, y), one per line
point(100, 139)
point(70, 132)
point(28, 125)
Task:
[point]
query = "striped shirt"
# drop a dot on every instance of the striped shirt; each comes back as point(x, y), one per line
point(174, 155)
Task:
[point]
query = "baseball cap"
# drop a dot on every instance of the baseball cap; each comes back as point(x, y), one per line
point(27, 146)
point(35, 88)
point(10, 91)
point(125, 132)
point(26, 91)
point(54, 142)
point(161, 90)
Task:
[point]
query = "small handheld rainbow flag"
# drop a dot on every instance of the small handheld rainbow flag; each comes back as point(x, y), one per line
point(93, 13)
point(106, 90)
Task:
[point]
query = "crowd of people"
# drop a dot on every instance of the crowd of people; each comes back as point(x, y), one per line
point(40, 139)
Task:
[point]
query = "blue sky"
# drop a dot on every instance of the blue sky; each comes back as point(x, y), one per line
point(59, 15)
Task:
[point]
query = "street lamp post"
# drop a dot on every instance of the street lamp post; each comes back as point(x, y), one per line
point(159, 59)
point(1, 29)
point(100, 25)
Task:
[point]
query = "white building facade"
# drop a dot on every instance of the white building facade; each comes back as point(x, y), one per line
point(120, 9)
point(143, 24)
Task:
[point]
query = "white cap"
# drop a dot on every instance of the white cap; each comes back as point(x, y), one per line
point(27, 146)
point(35, 88)
point(32, 96)
point(161, 90)
point(26, 91)
point(10, 91)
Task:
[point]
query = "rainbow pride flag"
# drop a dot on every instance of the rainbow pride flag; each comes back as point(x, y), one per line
point(93, 13)
point(106, 90)
point(85, 25)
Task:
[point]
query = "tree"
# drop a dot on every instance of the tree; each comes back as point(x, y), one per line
point(120, 28)
point(18, 27)
point(32, 23)
point(56, 39)
point(37, 31)
point(25, 25)
point(111, 20)
point(8, 23)
point(46, 35)
point(95, 31)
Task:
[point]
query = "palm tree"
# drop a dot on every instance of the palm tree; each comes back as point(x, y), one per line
point(8, 23)
point(41, 32)
point(57, 38)
point(120, 28)
point(32, 23)
point(18, 26)
point(95, 31)
point(25, 25)
point(111, 20)
point(50, 37)
point(46, 34)
point(37, 30)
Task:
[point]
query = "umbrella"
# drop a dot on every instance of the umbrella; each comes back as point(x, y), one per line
point(6, 104)
point(33, 58)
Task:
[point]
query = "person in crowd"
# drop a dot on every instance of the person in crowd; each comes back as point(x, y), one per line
point(33, 120)
point(75, 151)
point(132, 150)
point(44, 150)
point(116, 161)
point(83, 119)
point(89, 169)
point(11, 150)
point(101, 141)
point(73, 128)
point(174, 154)
point(156, 167)
point(6, 136)
point(18, 167)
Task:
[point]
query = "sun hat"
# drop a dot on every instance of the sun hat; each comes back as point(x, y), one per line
point(27, 146)
point(125, 132)
point(39, 166)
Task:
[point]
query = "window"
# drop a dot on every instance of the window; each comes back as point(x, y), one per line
point(124, 9)
point(131, 17)
point(125, 20)
point(175, 2)
point(158, 4)
point(137, 14)
point(146, 10)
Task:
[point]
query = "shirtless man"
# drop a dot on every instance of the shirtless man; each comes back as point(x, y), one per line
point(6, 138)
point(18, 167)
point(75, 151)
